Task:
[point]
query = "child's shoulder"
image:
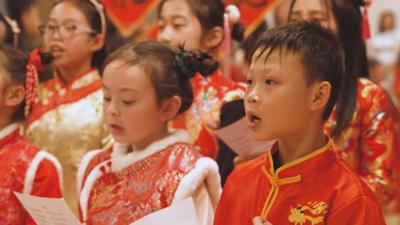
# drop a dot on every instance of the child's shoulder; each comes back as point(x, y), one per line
point(21, 147)
point(349, 182)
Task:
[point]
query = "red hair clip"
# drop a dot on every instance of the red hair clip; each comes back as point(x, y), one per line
point(366, 30)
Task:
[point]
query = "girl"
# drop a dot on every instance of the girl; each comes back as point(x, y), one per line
point(23, 167)
point(363, 122)
point(198, 24)
point(66, 118)
point(149, 168)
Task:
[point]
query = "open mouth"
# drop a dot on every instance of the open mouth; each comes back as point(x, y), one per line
point(253, 119)
point(116, 127)
point(56, 50)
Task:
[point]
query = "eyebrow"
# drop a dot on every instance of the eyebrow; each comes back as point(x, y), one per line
point(65, 21)
point(123, 89)
point(128, 89)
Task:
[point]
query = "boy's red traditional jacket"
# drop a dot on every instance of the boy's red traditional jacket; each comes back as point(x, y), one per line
point(210, 94)
point(370, 143)
point(122, 186)
point(24, 169)
point(67, 121)
point(319, 188)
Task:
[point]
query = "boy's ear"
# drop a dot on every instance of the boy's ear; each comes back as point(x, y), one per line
point(214, 38)
point(320, 95)
point(170, 107)
point(14, 95)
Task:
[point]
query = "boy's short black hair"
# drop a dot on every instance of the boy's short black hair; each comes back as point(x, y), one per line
point(320, 52)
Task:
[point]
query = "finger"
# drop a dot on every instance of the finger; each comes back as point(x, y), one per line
point(257, 221)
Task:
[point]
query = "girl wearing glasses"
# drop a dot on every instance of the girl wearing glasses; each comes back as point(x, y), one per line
point(66, 118)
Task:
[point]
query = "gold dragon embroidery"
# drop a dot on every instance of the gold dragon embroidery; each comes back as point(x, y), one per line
point(313, 212)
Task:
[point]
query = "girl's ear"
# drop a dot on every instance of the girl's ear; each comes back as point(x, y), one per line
point(213, 38)
point(97, 43)
point(170, 107)
point(14, 95)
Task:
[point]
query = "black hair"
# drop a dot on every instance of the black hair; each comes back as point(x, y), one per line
point(250, 41)
point(169, 70)
point(348, 17)
point(94, 19)
point(318, 49)
point(17, 7)
point(14, 62)
point(9, 37)
point(210, 13)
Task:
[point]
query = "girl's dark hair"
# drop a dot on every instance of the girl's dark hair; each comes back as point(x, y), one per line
point(14, 62)
point(9, 37)
point(17, 7)
point(348, 17)
point(210, 13)
point(169, 70)
point(318, 50)
point(94, 19)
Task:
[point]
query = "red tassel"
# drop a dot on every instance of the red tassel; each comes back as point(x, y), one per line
point(32, 82)
point(366, 30)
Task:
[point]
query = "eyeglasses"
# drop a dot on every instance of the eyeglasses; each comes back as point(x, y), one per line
point(65, 31)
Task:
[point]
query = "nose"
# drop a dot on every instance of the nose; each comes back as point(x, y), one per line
point(164, 35)
point(252, 97)
point(111, 108)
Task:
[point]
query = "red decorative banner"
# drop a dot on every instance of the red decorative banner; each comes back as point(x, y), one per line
point(129, 15)
point(253, 12)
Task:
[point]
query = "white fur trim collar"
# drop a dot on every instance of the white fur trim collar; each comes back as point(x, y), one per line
point(9, 129)
point(121, 159)
point(33, 167)
point(83, 167)
point(205, 171)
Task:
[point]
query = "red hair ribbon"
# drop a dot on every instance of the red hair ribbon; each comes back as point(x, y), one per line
point(366, 30)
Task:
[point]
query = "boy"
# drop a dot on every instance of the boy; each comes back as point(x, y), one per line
point(293, 84)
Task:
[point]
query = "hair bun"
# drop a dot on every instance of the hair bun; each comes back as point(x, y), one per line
point(191, 62)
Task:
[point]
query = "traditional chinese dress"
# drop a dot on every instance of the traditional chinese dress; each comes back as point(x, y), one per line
point(119, 186)
point(370, 143)
point(25, 169)
point(319, 188)
point(67, 121)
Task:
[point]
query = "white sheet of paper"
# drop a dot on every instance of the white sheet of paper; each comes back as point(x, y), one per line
point(181, 213)
point(48, 211)
point(239, 138)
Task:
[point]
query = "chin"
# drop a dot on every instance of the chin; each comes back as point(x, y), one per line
point(120, 139)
